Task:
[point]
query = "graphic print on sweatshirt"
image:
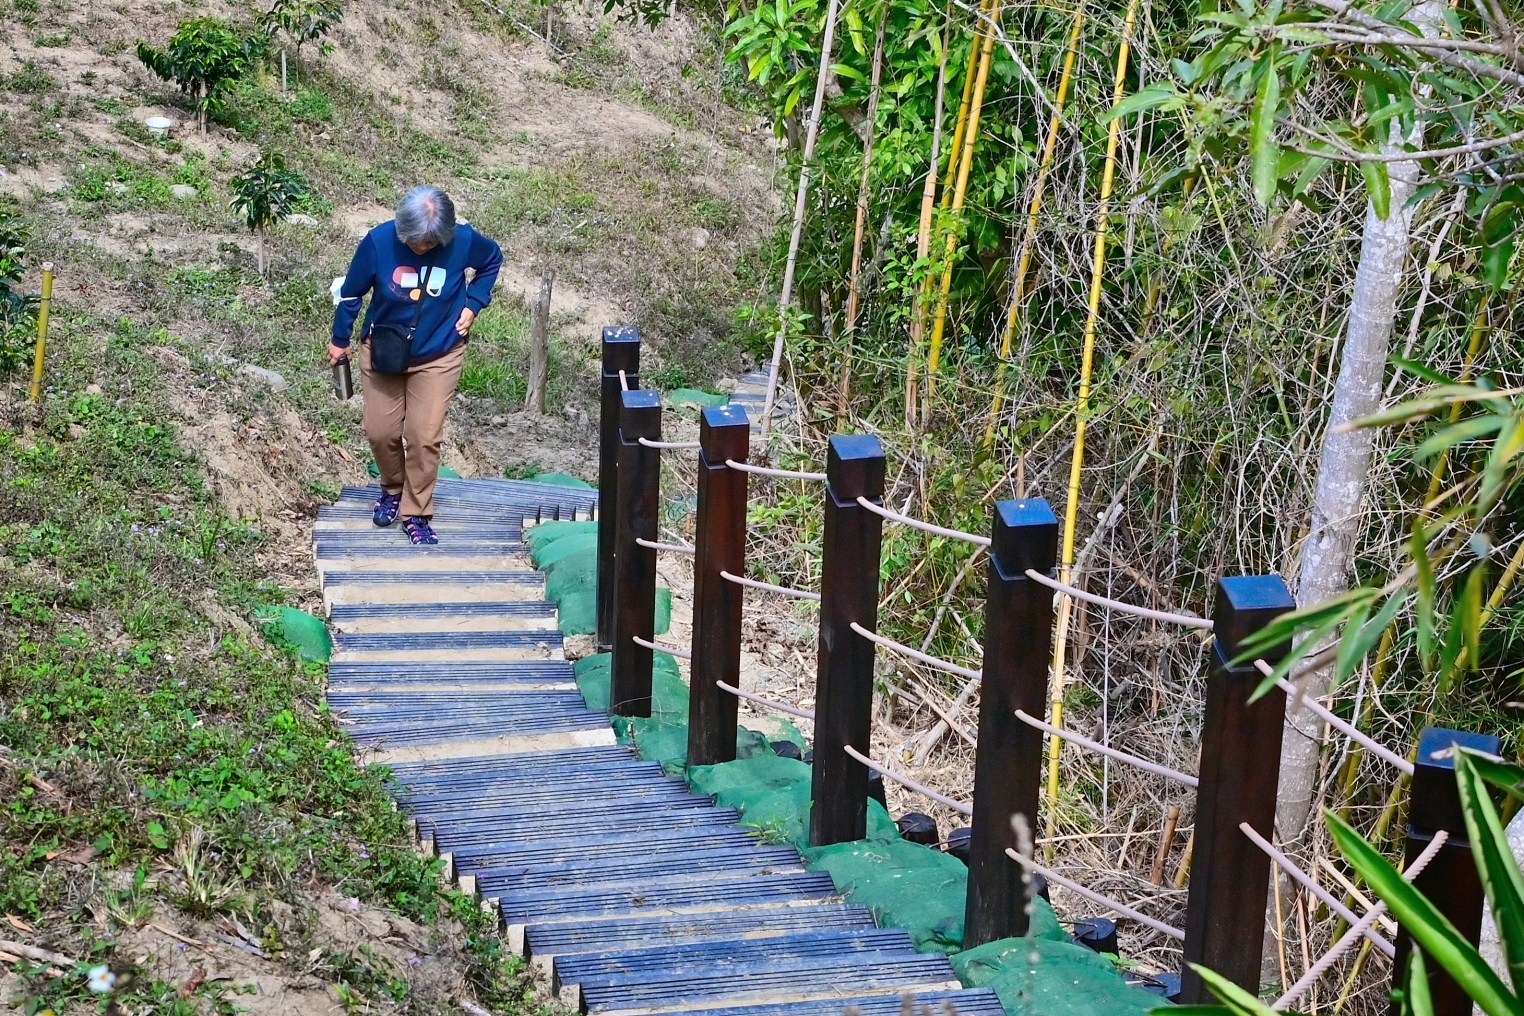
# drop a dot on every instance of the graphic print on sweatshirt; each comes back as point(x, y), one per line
point(405, 281)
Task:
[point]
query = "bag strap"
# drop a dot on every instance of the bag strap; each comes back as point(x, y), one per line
point(423, 294)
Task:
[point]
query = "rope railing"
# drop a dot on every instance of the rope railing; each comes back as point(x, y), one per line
point(782, 707)
point(1120, 756)
point(1117, 605)
point(1054, 878)
point(1306, 881)
point(681, 654)
point(916, 654)
point(1327, 716)
point(925, 527)
point(624, 382)
point(675, 548)
point(1356, 930)
point(769, 587)
point(670, 445)
point(905, 781)
point(781, 474)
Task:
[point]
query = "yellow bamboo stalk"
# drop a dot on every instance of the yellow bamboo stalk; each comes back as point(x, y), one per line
point(969, 140)
point(1082, 409)
point(928, 203)
point(1029, 235)
point(35, 393)
point(1473, 348)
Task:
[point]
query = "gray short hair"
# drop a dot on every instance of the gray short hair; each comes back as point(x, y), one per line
point(426, 215)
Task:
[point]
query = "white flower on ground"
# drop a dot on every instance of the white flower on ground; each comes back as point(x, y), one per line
point(102, 980)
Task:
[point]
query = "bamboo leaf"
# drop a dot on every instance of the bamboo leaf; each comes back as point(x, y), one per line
point(1264, 154)
point(1377, 187)
point(1506, 776)
point(1466, 430)
point(1468, 614)
point(1355, 644)
point(1494, 863)
point(1430, 928)
point(1161, 95)
point(1417, 999)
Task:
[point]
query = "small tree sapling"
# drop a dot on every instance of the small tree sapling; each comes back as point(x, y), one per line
point(303, 21)
point(265, 195)
point(204, 56)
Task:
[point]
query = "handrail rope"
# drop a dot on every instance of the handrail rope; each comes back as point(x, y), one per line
point(906, 520)
point(903, 780)
point(782, 474)
point(804, 714)
point(681, 654)
point(624, 382)
point(1329, 718)
point(1126, 608)
point(1377, 939)
point(676, 445)
point(675, 548)
point(1356, 930)
point(1120, 756)
point(1054, 878)
point(916, 654)
point(769, 587)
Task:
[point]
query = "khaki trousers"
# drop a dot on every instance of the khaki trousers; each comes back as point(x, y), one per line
point(404, 422)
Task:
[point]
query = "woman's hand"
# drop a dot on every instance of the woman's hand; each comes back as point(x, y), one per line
point(336, 353)
point(463, 326)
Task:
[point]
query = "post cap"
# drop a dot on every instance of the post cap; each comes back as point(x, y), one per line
point(640, 414)
point(855, 466)
point(724, 433)
point(1245, 604)
point(621, 349)
point(1435, 800)
point(1025, 536)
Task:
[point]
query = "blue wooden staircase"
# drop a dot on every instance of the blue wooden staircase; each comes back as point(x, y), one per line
point(634, 894)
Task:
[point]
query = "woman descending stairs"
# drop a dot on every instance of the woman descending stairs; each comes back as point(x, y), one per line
point(635, 894)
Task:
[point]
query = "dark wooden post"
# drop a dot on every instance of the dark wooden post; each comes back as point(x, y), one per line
point(720, 542)
point(1018, 637)
point(844, 675)
point(1449, 880)
point(1240, 769)
point(621, 351)
point(635, 566)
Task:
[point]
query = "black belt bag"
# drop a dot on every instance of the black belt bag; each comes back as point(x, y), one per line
point(391, 346)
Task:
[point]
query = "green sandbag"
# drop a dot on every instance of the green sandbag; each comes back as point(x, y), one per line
point(906, 885)
point(772, 793)
point(561, 480)
point(551, 532)
point(307, 633)
point(567, 552)
point(692, 398)
point(1043, 977)
point(669, 694)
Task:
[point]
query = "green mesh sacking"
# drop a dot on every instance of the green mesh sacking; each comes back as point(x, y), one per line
point(772, 793)
point(561, 480)
point(693, 400)
point(905, 884)
point(662, 736)
point(567, 552)
point(1045, 975)
point(307, 633)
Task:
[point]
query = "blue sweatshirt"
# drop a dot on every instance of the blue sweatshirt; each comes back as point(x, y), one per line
point(387, 268)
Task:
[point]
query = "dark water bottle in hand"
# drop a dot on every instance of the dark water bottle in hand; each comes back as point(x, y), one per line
point(343, 385)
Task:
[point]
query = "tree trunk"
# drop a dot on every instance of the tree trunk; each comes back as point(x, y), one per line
point(539, 339)
point(283, 86)
point(1328, 553)
point(201, 110)
point(260, 257)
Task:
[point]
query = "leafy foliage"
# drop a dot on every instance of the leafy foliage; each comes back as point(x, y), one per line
point(302, 21)
point(267, 193)
point(16, 308)
point(203, 58)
